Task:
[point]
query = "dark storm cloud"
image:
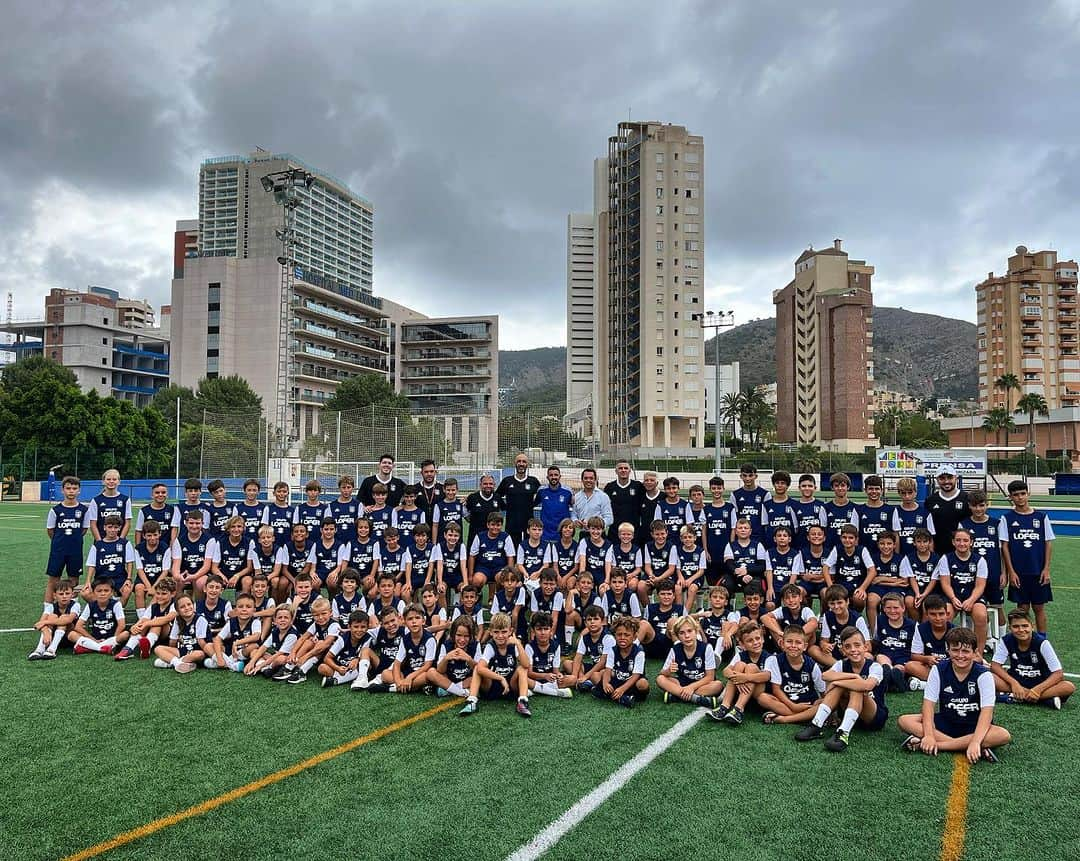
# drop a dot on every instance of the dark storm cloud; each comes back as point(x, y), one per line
point(931, 138)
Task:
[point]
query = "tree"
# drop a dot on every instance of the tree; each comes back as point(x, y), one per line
point(998, 419)
point(364, 390)
point(32, 370)
point(1033, 404)
point(892, 419)
point(1007, 383)
point(807, 458)
point(165, 403)
point(731, 405)
point(227, 395)
point(756, 416)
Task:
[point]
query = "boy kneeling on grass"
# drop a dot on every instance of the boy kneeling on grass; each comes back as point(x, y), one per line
point(1034, 673)
point(963, 690)
point(856, 683)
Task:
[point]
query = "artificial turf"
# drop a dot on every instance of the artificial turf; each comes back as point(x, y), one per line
point(94, 747)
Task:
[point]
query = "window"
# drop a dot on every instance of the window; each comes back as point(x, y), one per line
point(675, 191)
point(213, 293)
point(659, 404)
point(676, 156)
point(659, 351)
point(659, 158)
point(692, 228)
point(660, 371)
point(693, 193)
point(659, 209)
point(691, 403)
point(659, 244)
point(691, 210)
point(691, 368)
point(693, 174)
point(659, 193)
point(105, 341)
point(692, 158)
point(213, 318)
point(660, 263)
point(212, 364)
point(675, 405)
point(692, 244)
point(692, 385)
point(659, 298)
point(104, 381)
point(213, 342)
point(659, 316)
point(104, 361)
point(659, 334)
point(690, 350)
point(660, 229)
point(675, 172)
point(659, 176)
point(105, 320)
point(660, 388)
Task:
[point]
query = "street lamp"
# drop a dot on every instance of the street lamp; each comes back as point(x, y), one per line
point(723, 320)
point(284, 185)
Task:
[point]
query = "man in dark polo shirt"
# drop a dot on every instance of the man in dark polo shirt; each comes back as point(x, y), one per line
point(626, 494)
point(383, 475)
point(479, 504)
point(517, 494)
point(948, 505)
point(430, 489)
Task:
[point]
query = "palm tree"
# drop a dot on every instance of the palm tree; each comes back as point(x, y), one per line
point(1033, 404)
point(1007, 383)
point(998, 419)
point(893, 417)
point(731, 406)
point(755, 415)
point(807, 458)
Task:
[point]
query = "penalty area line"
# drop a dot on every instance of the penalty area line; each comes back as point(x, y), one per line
point(553, 833)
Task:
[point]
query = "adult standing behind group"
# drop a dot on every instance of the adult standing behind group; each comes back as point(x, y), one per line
point(430, 489)
point(555, 503)
point(383, 475)
point(625, 494)
point(650, 496)
point(591, 502)
point(479, 504)
point(948, 506)
point(517, 495)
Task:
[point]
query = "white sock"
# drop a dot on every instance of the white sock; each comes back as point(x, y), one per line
point(362, 668)
point(41, 643)
point(305, 667)
point(344, 678)
point(210, 664)
point(57, 639)
point(176, 662)
point(823, 712)
point(848, 723)
point(151, 639)
point(549, 689)
point(160, 664)
point(457, 689)
point(111, 642)
point(87, 643)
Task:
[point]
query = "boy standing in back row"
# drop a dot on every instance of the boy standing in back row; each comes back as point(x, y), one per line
point(1026, 549)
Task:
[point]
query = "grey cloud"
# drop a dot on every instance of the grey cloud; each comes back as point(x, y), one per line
point(472, 127)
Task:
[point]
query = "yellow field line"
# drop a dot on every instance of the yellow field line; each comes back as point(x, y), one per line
point(156, 825)
point(952, 835)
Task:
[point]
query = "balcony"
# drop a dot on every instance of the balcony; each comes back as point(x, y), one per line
point(340, 337)
point(445, 373)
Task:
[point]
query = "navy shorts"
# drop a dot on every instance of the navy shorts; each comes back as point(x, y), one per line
point(947, 726)
point(495, 692)
point(882, 591)
point(1031, 591)
point(881, 716)
point(993, 594)
point(60, 562)
point(810, 588)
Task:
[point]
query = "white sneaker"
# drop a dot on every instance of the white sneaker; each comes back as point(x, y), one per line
point(160, 664)
point(360, 683)
point(1055, 703)
point(564, 693)
point(915, 684)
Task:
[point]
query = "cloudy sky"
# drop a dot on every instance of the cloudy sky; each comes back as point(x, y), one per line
point(931, 137)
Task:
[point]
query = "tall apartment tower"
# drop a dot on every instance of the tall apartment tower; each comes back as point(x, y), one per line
point(1027, 326)
point(226, 297)
point(580, 319)
point(825, 352)
point(650, 344)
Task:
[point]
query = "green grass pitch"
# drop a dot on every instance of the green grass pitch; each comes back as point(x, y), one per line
point(93, 748)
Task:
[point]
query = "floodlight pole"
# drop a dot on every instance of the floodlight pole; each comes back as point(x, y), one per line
point(724, 320)
point(284, 185)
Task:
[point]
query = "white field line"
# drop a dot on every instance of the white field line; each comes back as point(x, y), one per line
point(546, 839)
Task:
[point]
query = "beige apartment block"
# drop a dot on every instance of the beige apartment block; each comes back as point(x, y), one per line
point(1027, 326)
point(825, 352)
point(649, 357)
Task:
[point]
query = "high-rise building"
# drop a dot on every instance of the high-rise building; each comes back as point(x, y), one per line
point(238, 218)
point(648, 304)
point(227, 299)
point(825, 352)
point(101, 340)
point(580, 319)
point(185, 244)
point(1027, 326)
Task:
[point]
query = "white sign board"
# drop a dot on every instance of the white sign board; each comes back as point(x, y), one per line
point(898, 463)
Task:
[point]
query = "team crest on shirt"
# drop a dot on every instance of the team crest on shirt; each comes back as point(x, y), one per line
point(632, 491)
point(698, 663)
point(972, 688)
